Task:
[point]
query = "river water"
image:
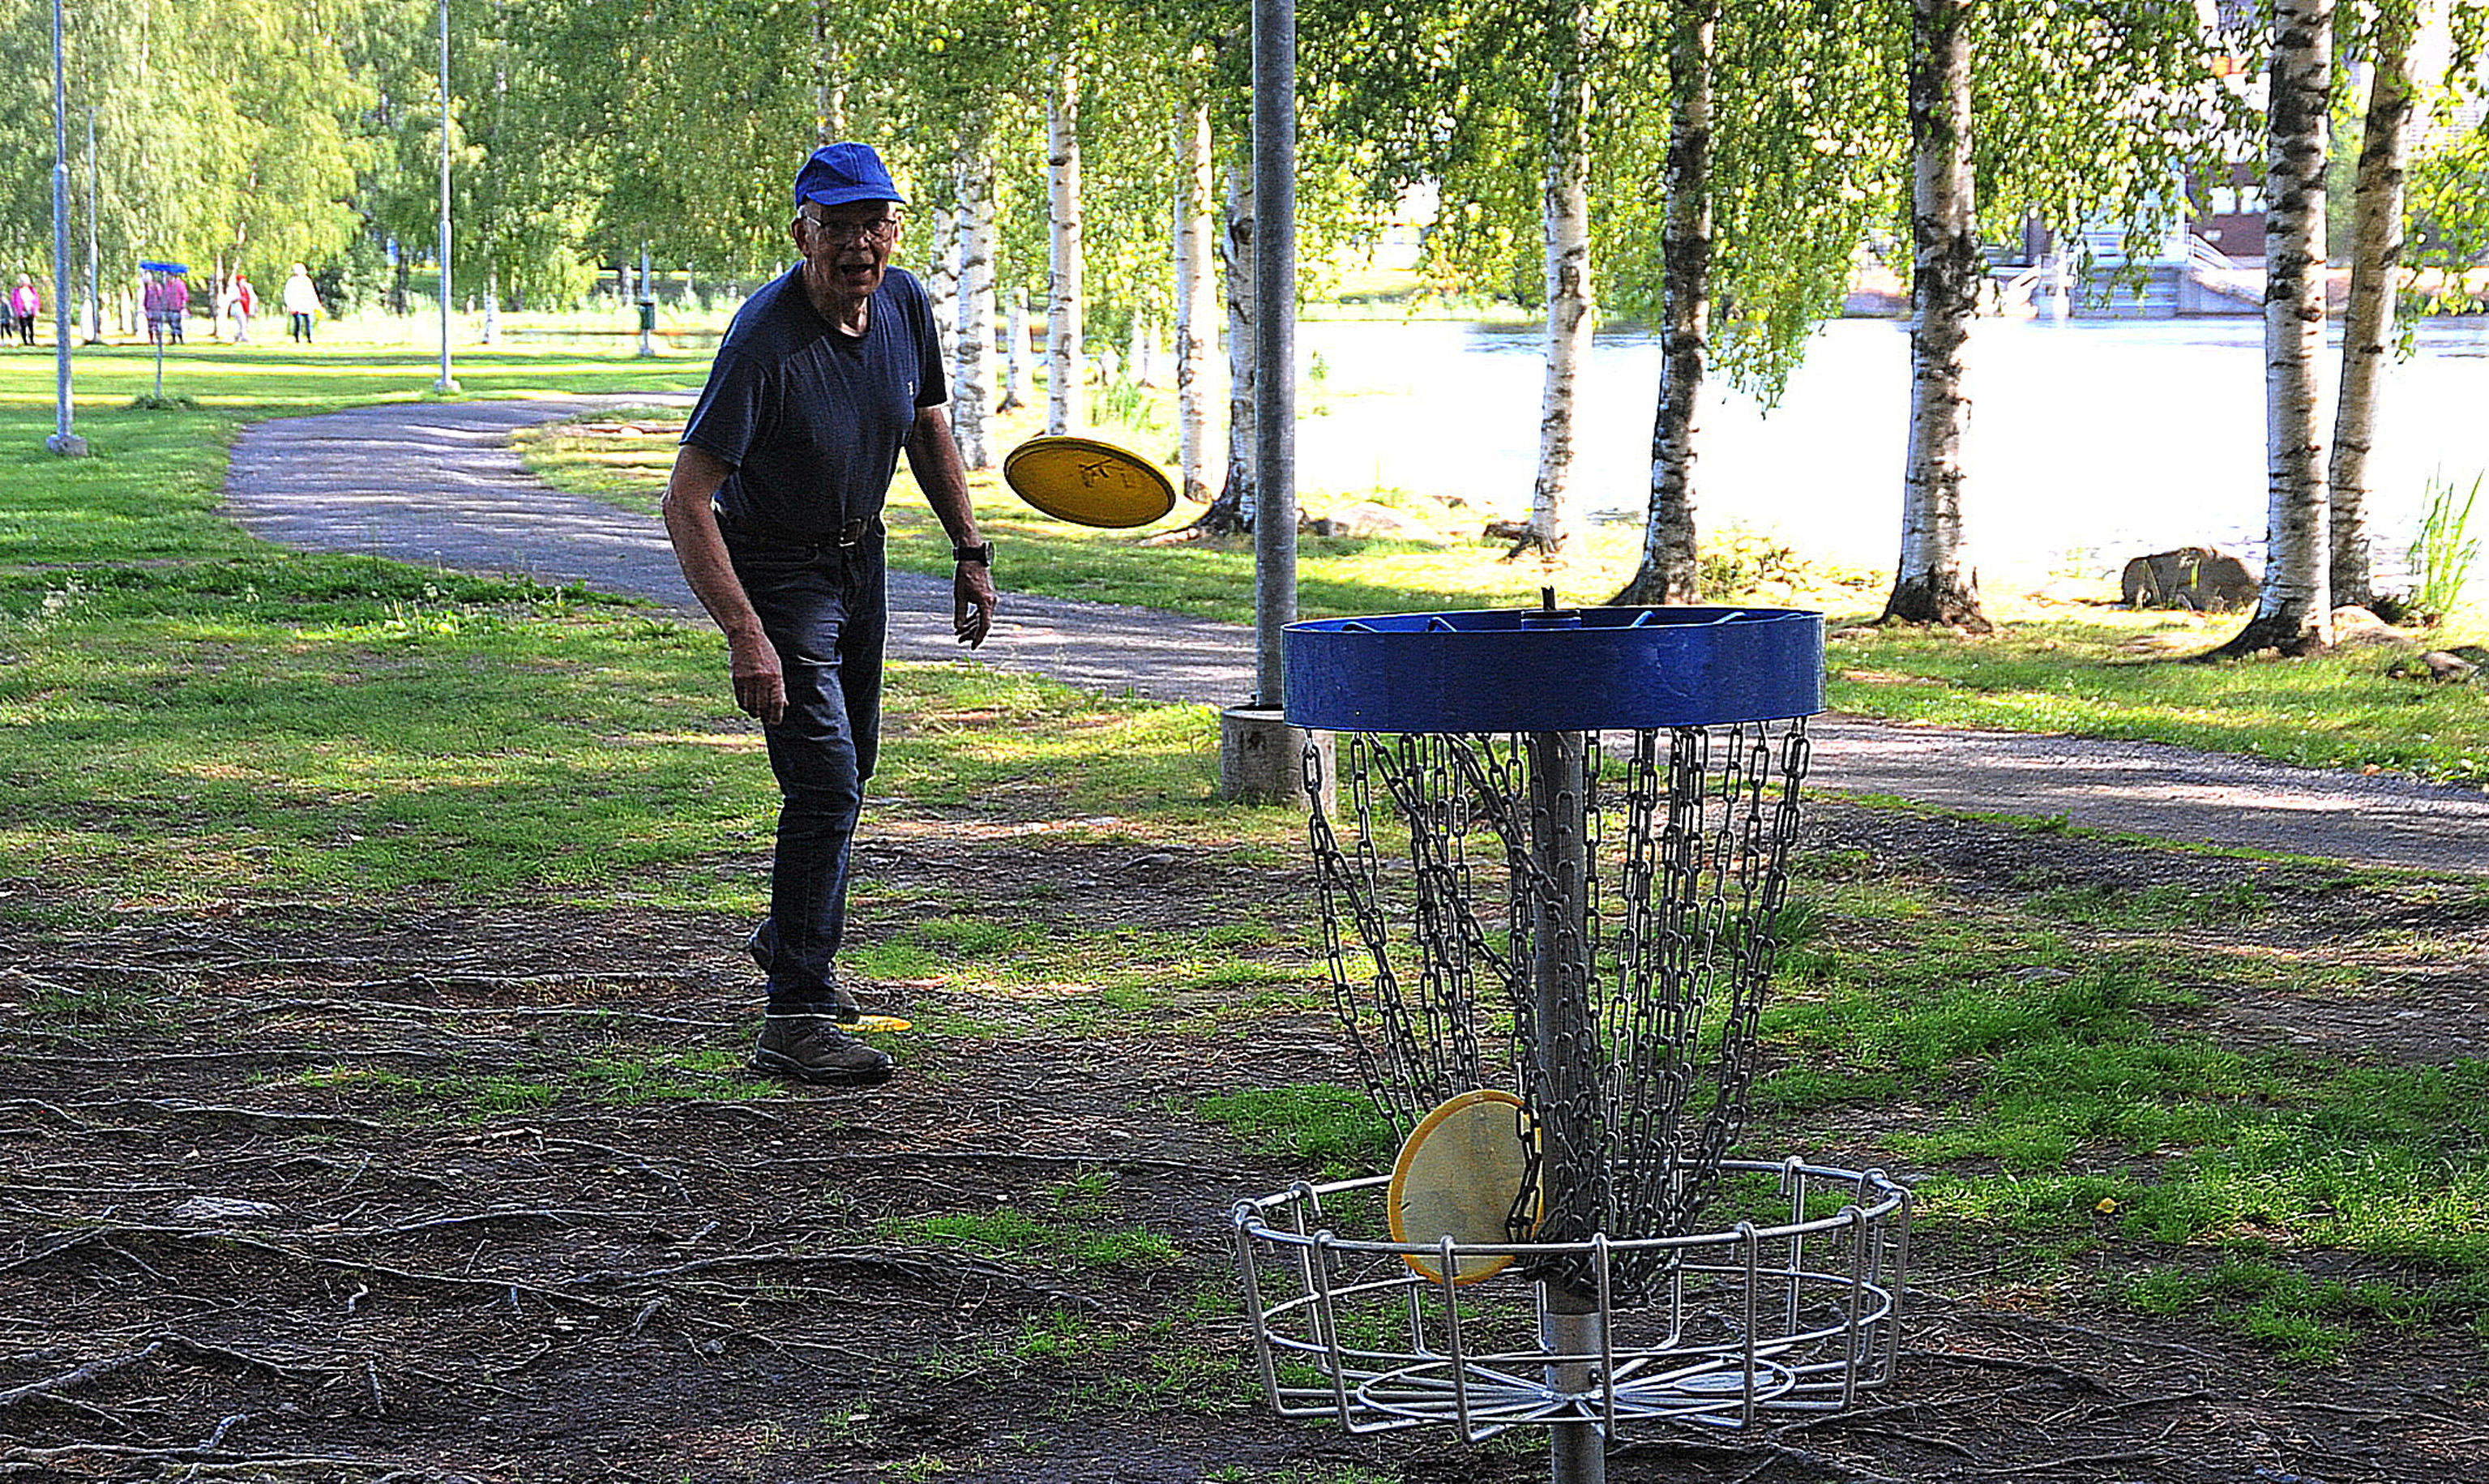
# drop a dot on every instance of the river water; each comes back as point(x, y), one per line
point(2092, 441)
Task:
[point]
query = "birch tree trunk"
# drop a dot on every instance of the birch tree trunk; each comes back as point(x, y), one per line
point(1065, 411)
point(2376, 267)
point(1232, 511)
point(2294, 612)
point(1670, 572)
point(1018, 353)
point(1935, 582)
point(1194, 334)
point(972, 398)
point(942, 285)
point(829, 77)
point(1565, 214)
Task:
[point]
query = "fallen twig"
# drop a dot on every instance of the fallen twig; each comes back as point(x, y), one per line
point(79, 1377)
point(232, 1240)
point(2060, 1327)
point(2055, 1467)
point(922, 1266)
point(2073, 1378)
point(201, 1460)
point(1775, 1453)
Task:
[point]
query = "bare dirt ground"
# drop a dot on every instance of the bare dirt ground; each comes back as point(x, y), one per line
point(481, 1247)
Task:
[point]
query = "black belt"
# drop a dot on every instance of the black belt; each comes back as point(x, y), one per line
point(852, 533)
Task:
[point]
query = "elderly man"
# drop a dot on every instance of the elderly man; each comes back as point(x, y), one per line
point(774, 507)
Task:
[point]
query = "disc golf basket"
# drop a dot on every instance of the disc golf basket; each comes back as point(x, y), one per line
point(1553, 885)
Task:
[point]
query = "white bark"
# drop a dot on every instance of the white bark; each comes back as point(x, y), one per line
point(829, 77)
point(2376, 265)
point(1193, 291)
point(1236, 264)
point(1934, 581)
point(1236, 257)
point(1566, 216)
point(942, 286)
point(1671, 567)
point(1065, 411)
point(2294, 612)
point(972, 398)
point(1017, 354)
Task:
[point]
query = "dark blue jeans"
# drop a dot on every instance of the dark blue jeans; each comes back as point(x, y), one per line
point(825, 609)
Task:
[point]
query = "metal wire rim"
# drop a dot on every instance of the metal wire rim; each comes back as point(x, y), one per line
point(1804, 1330)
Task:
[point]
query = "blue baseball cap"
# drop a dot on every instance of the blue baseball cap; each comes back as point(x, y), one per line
point(838, 174)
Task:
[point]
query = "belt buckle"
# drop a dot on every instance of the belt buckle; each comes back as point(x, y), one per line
point(853, 532)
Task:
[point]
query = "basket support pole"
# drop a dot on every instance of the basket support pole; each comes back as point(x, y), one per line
point(1569, 1057)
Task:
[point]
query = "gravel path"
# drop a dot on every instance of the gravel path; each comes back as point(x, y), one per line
point(437, 482)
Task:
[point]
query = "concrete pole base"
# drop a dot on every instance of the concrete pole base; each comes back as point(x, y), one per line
point(67, 445)
point(1262, 758)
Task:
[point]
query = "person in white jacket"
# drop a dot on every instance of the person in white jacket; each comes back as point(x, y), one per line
point(302, 304)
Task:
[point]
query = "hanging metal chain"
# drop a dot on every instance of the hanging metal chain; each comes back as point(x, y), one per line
point(1636, 898)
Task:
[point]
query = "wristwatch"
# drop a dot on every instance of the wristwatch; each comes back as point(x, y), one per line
point(983, 554)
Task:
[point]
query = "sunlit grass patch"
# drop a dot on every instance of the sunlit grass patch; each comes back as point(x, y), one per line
point(2304, 1319)
point(1065, 1220)
point(612, 1079)
point(2148, 908)
point(1337, 1128)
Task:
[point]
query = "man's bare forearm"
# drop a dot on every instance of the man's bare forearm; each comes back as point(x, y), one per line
point(691, 525)
point(933, 458)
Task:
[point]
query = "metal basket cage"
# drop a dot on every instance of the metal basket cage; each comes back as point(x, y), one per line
point(1779, 1313)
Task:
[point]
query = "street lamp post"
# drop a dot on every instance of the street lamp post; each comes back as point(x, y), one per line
point(63, 442)
point(447, 382)
point(1274, 337)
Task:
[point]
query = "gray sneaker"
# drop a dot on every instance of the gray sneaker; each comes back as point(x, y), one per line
point(813, 1048)
point(763, 946)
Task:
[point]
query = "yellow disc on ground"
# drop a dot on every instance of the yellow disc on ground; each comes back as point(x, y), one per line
point(1087, 482)
point(877, 1023)
point(1459, 1176)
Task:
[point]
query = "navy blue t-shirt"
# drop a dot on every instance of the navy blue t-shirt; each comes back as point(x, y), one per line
point(812, 420)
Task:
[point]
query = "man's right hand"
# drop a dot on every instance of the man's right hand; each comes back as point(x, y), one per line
point(691, 523)
point(760, 680)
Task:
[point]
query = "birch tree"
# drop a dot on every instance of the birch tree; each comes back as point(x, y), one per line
point(1232, 510)
point(1196, 288)
point(1486, 99)
point(1935, 584)
point(2294, 612)
point(1783, 135)
point(1670, 570)
point(941, 278)
point(1064, 408)
point(1565, 217)
point(2377, 261)
point(972, 398)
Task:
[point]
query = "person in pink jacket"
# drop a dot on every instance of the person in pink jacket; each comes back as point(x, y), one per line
point(24, 303)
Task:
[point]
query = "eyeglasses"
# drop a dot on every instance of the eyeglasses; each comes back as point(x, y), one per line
point(871, 229)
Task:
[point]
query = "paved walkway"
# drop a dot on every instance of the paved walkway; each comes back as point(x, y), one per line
point(437, 482)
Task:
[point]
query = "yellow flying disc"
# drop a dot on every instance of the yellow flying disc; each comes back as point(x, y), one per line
point(1087, 482)
point(1459, 1176)
point(876, 1023)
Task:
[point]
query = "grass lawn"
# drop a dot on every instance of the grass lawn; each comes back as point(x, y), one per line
point(2056, 665)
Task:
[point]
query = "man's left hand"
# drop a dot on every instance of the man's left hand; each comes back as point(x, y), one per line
point(972, 603)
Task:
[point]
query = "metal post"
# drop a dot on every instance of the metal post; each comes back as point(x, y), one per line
point(647, 304)
point(63, 442)
point(447, 382)
point(94, 258)
point(1568, 1055)
point(1275, 338)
